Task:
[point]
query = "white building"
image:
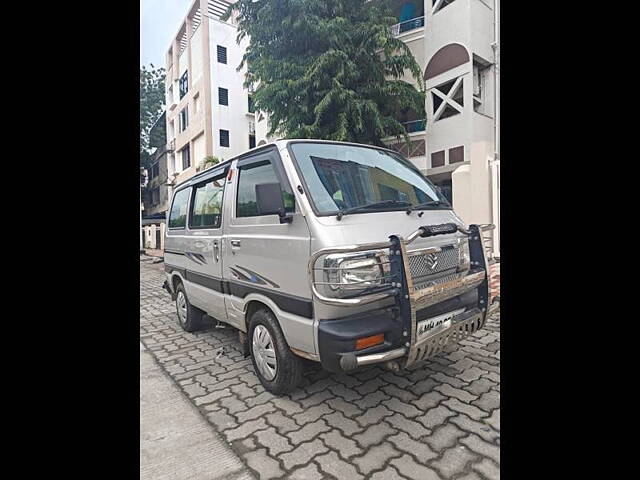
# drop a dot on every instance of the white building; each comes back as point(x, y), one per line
point(209, 113)
point(456, 43)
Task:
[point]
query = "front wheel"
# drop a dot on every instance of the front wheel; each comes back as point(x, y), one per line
point(278, 369)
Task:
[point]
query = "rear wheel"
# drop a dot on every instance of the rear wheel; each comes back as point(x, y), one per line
point(189, 317)
point(278, 369)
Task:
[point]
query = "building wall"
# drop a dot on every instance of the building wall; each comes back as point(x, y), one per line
point(469, 23)
point(204, 31)
point(233, 117)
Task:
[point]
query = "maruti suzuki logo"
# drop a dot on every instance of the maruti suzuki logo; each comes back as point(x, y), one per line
point(432, 261)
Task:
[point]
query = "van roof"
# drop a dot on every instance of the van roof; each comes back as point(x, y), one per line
point(280, 144)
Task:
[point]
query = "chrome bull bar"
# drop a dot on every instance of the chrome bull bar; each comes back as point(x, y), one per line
point(410, 300)
point(391, 290)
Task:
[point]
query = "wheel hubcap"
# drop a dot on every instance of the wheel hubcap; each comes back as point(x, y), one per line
point(181, 304)
point(264, 352)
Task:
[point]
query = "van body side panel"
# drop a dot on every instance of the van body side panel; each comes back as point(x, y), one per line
point(265, 260)
point(298, 330)
point(204, 272)
point(191, 254)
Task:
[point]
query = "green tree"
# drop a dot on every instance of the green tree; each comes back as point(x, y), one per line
point(151, 106)
point(328, 69)
point(208, 162)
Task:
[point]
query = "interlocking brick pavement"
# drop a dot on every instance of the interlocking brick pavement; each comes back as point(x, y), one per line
point(439, 419)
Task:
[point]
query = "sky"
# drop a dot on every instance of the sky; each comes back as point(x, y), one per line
point(159, 21)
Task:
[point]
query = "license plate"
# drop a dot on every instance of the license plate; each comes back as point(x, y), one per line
point(432, 326)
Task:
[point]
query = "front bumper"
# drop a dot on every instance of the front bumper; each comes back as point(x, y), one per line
point(336, 338)
point(466, 294)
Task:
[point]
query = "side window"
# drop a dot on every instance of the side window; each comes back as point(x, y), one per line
point(250, 176)
point(178, 215)
point(206, 209)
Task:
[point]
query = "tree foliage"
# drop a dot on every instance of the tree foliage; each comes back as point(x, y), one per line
point(328, 69)
point(151, 105)
point(208, 162)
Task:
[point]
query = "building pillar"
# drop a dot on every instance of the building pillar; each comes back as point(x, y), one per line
point(206, 71)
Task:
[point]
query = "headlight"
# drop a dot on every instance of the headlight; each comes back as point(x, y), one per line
point(349, 274)
point(464, 258)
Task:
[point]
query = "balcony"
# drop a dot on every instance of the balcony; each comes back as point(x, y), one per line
point(415, 126)
point(407, 25)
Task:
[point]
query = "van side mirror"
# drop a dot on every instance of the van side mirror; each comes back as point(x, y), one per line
point(270, 202)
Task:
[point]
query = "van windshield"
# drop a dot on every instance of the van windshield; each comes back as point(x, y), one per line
point(344, 178)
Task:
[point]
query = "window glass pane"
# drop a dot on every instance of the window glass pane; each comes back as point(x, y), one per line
point(224, 138)
point(184, 118)
point(345, 176)
point(186, 158)
point(251, 176)
point(178, 216)
point(207, 204)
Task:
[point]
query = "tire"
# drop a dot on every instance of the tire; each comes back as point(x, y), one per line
point(189, 317)
point(286, 375)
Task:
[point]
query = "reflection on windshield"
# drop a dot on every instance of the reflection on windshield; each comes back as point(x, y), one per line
point(342, 177)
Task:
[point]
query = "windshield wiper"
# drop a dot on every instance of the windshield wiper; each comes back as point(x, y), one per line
point(430, 203)
point(383, 203)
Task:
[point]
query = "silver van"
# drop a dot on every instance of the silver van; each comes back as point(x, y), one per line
point(338, 253)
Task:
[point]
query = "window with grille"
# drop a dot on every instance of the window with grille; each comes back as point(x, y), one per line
point(222, 54)
point(223, 96)
point(186, 158)
point(184, 118)
point(224, 138)
point(183, 84)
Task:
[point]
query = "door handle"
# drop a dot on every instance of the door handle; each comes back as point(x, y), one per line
point(216, 251)
point(235, 243)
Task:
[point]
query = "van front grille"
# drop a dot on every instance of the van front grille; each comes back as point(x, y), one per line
point(427, 268)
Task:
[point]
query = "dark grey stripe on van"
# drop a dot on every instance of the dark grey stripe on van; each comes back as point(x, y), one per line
point(206, 281)
point(288, 303)
point(172, 268)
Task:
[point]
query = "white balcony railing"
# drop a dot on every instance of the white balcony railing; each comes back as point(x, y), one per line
point(408, 25)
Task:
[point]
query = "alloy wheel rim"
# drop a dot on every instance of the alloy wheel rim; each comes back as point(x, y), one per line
point(264, 352)
point(181, 303)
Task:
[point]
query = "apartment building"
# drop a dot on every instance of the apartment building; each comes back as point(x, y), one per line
point(155, 196)
point(457, 145)
point(209, 113)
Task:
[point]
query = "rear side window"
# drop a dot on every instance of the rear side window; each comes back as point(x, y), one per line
point(249, 177)
point(206, 210)
point(178, 215)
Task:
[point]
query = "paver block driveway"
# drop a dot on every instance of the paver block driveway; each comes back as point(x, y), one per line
point(439, 419)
